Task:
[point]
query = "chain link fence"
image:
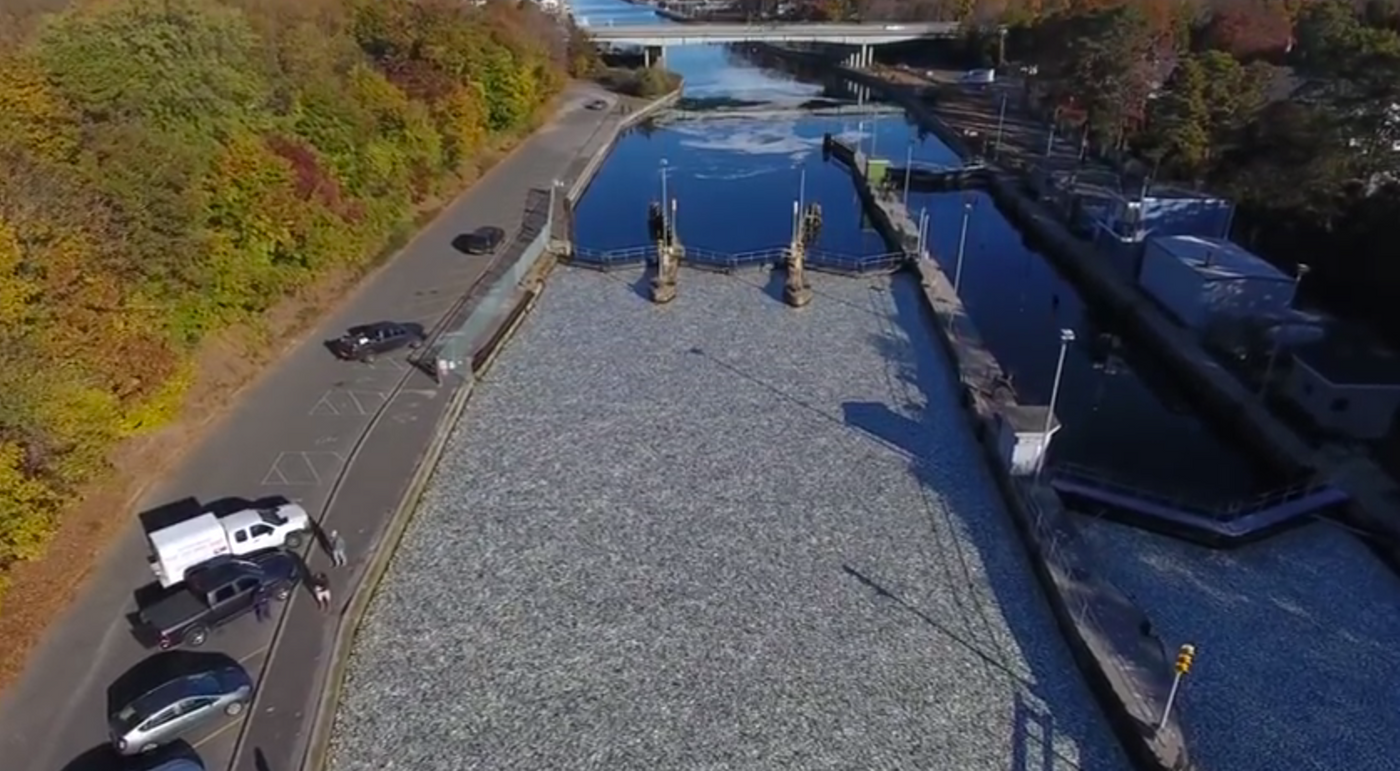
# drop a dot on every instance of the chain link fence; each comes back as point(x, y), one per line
point(452, 343)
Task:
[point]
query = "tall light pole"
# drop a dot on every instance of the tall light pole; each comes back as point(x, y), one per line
point(1276, 343)
point(802, 188)
point(665, 204)
point(1066, 337)
point(962, 246)
point(908, 171)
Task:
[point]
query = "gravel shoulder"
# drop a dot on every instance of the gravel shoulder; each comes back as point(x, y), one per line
point(1296, 665)
point(716, 534)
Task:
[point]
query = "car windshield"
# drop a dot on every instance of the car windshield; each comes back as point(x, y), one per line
point(272, 516)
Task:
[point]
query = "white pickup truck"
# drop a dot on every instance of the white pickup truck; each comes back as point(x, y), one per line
point(183, 546)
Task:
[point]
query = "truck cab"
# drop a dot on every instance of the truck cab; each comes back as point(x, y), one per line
point(217, 593)
point(253, 530)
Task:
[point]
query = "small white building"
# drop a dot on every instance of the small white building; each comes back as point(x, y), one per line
point(1021, 436)
point(1201, 280)
point(1344, 389)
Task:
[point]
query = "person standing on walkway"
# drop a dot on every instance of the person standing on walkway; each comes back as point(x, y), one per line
point(321, 590)
point(260, 609)
point(337, 549)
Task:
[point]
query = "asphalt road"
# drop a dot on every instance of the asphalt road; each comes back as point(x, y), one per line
point(291, 435)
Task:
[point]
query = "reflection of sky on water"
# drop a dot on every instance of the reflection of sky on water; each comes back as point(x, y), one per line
point(736, 178)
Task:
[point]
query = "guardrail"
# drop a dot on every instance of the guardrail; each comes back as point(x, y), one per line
point(1228, 512)
point(729, 262)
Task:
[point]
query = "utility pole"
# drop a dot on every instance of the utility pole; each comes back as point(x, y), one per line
point(962, 246)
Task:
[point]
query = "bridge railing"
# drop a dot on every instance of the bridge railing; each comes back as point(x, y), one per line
point(851, 265)
point(729, 262)
point(612, 259)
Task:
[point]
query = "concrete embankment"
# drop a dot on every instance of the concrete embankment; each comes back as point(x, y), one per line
point(1218, 393)
point(1126, 666)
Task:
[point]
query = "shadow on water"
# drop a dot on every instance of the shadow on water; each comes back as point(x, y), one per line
point(1122, 412)
point(923, 411)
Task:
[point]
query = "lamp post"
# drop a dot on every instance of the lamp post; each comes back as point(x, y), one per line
point(665, 203)
point(802, 188)
point(1303, 269)
point(962, 246)
point(1066, 337)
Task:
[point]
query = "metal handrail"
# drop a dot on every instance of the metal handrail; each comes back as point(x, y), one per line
point(1230, 511)
point(1101, 479)
point(776, 255)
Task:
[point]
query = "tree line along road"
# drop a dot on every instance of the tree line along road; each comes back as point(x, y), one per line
point(291, 435)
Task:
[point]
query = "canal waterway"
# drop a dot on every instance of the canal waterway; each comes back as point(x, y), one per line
point(735, 178)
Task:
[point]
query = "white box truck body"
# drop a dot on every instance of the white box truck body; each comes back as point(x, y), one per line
point(183, 546)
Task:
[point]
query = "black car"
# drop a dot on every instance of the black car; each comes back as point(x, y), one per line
point(484, 240)
point(218, 593)
point(364, 342)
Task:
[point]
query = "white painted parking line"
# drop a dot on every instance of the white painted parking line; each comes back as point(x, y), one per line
point(302, 468)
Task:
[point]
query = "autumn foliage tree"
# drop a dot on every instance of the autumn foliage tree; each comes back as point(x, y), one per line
point(171, 168)
point(1248, 29)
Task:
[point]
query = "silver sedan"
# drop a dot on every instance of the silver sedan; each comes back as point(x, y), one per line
point(178, 705)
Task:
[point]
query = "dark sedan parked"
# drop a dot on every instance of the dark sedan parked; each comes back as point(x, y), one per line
point(364, 342)
point(484, 240)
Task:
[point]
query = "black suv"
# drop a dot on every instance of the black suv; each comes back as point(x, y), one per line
point(217, 593)
point(364, 342)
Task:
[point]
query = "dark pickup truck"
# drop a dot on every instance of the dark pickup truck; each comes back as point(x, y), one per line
point(218, 593)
